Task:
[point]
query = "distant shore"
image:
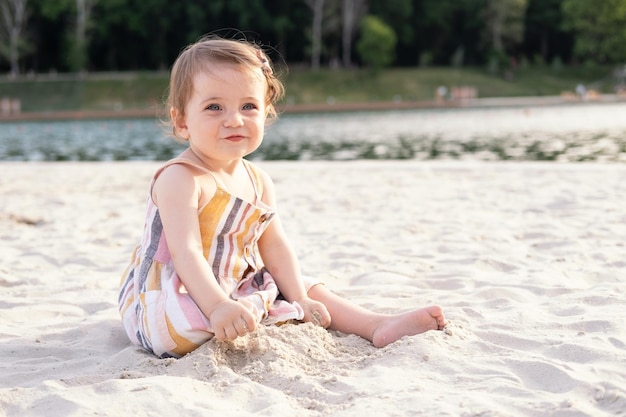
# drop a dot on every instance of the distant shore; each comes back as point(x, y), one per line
point(324, 107)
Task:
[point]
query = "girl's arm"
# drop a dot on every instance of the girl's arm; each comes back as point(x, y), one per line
point(280, 259)
point(282, 263)
point(177, 193)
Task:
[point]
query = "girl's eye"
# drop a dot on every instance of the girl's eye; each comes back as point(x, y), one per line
point(213, 107)
point(249, 106)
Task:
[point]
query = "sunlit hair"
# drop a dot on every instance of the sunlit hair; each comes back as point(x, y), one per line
point(213, 51)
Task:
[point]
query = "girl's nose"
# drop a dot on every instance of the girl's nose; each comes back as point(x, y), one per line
point(233, 119)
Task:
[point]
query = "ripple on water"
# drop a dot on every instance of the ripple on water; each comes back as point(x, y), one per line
point(557, 133)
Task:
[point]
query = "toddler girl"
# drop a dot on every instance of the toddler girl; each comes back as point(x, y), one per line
point(214, 260)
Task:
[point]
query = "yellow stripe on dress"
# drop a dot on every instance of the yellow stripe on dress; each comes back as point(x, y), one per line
point(134, 261)
point(153, 281)
point(253, 218)
point(183, 345)
point(210, 218)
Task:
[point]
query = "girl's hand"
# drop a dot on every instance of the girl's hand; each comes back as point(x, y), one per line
point(315, 312)
point(231, 319)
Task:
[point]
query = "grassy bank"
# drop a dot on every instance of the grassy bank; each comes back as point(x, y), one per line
point(119, 91)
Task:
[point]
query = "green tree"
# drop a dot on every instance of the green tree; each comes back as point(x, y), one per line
point(599, 29)
point(317, 7)
point(351, 12)
point(325, 32)
point(400, 15)
point(449, 28)
point(544, 36)
point(504, 25)
point(148, 34)
point(397, 13)
point(12, 22)
point(283, 30)
point(138, 34)
point(77, 35)
point(377, 43)
point(78, 55)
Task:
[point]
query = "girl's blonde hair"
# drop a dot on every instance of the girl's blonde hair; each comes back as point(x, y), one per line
point(212, 50)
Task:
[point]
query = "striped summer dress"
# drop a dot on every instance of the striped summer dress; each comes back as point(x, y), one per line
point(156, 310)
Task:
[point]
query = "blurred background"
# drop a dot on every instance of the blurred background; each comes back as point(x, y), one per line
point(404, 48)
point(77, 59)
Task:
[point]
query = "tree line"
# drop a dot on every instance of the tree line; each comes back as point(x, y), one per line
point(38, 36)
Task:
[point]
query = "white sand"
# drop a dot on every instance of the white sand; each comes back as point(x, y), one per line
point(528, 260)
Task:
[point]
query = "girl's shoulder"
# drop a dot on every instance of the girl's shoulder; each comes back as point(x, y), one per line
point(180, 177)
point(177, 169)
point(184, 164)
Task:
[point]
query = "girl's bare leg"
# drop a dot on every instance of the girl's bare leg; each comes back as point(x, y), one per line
point(380, 329)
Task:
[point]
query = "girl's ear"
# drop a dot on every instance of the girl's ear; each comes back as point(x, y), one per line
point(180, 125)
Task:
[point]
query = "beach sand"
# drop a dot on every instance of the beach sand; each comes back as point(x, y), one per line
point(528, 260)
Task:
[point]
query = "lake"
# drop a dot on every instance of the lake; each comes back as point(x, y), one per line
point(571, 132)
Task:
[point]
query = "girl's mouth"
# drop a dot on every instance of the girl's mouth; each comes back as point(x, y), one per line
point(235, 138)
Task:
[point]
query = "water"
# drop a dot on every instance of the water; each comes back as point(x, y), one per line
point(89, 140)
point(581, 132)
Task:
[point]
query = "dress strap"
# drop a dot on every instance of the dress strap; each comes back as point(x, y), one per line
point(251, 169)
point(255, 177)
point(184, 161)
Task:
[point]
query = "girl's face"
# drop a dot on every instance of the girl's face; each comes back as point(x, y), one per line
point(225, 116)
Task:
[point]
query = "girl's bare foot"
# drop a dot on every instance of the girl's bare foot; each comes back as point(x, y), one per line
point(394, 327)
